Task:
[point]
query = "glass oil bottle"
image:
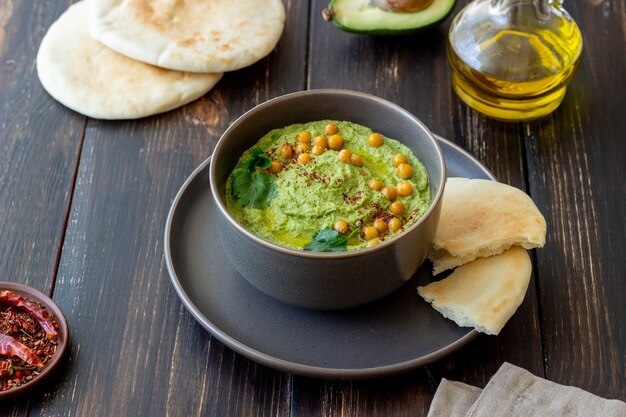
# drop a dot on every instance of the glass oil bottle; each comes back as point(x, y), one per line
point(512, 59)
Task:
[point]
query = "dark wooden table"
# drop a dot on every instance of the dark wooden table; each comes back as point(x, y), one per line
point(83, 205)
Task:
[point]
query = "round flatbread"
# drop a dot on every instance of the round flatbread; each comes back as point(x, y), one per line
point(93, 80)
point(483, 218)
point(190, 35)
point(484, 293)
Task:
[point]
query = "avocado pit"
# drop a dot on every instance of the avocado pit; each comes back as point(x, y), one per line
point(402, 6)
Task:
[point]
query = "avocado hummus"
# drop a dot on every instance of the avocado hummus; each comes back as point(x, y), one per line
point(310, 181)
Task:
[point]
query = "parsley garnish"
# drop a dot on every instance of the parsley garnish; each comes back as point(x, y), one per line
point(253, 188)
point(329, 240)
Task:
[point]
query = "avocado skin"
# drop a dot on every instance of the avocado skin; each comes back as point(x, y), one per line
point(387, 31)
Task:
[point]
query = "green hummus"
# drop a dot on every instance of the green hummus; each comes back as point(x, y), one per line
point(308, 197)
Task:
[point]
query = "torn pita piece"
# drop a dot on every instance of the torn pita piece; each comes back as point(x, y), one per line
point(484, 293)
point(482, 218)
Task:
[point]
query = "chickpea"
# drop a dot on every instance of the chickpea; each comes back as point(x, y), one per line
point(276, 167)
point(304, 158)
point(317, 150)
point(404, 188)
point(302, 148)
point(321, 141)
point(371, 243)
point(356, 160)
point(286, 151)
point(345, 156)
point(380, 225)
point(399, 159)
point(331, 129)
point(395, 224)
point(390, 193)
point(369, 233)
point(375, 185)
point(404, 171)
point(304, 137)
point(341, 226)
point(397, 208)
point(335, 142)
point(375, 140)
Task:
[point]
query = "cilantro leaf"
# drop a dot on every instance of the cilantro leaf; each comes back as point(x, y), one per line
point(329, 240)
point(260, 159)
point(242, 178)
point(252, 188)
point(261, 190)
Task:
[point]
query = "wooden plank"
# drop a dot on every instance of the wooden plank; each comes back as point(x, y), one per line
point(136, 351)
point(40, 141)
point(403, 395)
point(414, 73)
point(39, 146)
point(576, 163)
point(15, 407)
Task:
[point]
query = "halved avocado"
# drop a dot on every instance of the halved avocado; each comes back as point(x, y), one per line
point(387, 17)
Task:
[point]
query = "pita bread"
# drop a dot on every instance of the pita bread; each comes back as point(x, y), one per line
point(484, 293)
point(483, 218)
point(91, 79)
point(190, 35)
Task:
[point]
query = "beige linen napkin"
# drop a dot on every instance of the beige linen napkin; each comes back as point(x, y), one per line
point(453, 399)
point(515, 392)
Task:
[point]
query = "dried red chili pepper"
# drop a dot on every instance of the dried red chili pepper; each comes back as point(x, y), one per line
point(26, 347)
point(36, 311)
point(11, 347)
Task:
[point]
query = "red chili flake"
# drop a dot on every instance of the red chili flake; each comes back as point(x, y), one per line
point(5, 368)
point(308, 183)
point(316, 177)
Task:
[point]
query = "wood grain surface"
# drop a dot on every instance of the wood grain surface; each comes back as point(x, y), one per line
point(577, 171)
point(83, 205)
point(40, 143)
point(39, 146)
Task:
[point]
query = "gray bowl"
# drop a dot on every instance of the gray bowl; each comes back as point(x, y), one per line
point(326, 280)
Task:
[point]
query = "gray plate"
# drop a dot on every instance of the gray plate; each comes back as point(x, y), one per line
point(392, 335)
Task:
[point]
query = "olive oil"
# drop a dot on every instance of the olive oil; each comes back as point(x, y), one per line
point(512, 59)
